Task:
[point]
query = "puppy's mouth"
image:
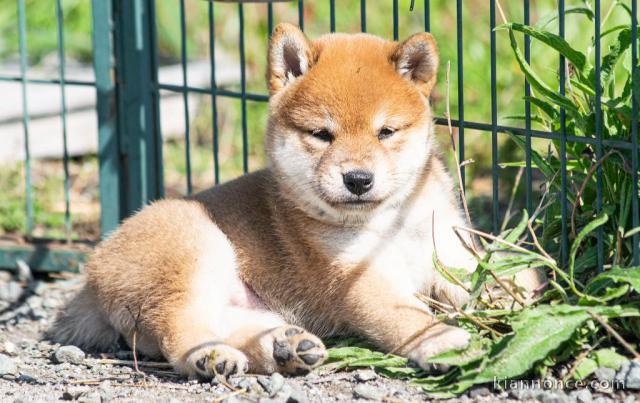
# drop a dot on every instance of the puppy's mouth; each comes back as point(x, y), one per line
point(355, 203)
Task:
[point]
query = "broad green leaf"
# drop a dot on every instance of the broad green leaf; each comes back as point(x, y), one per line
point(616, 275)
point(621, 44)
point(585, 368)
point(476, 350)
point(554, 41)
point(544, 22)
point(537, 83)
point(537, 332)
point(606, 357)
point(548, 109)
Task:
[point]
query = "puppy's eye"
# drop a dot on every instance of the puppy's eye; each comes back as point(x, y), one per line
point(322, 134)
point(385, 133)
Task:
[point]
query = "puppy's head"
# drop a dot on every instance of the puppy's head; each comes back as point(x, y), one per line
point(350, 124)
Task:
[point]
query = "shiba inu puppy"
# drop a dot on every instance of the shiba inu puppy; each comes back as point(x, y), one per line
point(336, 236)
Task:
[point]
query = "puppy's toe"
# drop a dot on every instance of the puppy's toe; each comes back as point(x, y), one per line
point(440, 339)
point(297, 351)
point(220, 361)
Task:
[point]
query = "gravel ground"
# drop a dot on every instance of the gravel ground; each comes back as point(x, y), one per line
point(32, 369)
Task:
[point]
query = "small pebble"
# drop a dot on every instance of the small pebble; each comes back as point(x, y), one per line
point(70, 354)
point(366, 375)
point(9, 348)
point(581, 395)
point(273, 384)
point(478, 392)
point(90, 397)
point(297, 395)
point(556, 396)
point(605, 374)
point(368, 392)
point(628, 376)
point(7, 366)
point(73, 392)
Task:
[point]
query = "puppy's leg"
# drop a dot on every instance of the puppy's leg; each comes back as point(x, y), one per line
point(222, 328)
point(271, 345)
point(397, 321)
point(244, 339)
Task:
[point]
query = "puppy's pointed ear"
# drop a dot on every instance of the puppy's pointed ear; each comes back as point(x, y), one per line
point(290, 56)
point(416, 59)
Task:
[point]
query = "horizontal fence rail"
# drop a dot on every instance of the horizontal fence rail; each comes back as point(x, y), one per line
point(125, 46)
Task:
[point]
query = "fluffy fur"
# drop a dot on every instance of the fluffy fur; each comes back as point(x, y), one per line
point(226, 281)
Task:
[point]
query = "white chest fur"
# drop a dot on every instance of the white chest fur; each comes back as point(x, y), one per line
point(399, 243)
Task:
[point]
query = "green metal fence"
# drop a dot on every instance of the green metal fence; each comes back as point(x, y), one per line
point(125, 61)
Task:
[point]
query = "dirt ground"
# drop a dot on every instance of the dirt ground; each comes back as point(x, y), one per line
point(33, 369)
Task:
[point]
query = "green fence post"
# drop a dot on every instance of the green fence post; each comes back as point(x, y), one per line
point(110, 159)
point(137, 102)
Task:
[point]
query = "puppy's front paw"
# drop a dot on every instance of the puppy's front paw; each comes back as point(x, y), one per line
point(219, 360)
point(439, 339)
point(297, 351)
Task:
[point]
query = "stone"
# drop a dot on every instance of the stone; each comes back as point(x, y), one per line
point(74, 392)
point(556, 396)
point(9, 348)
point(602, 399)
point(478, 392)
point(605, 374)
point(10, 291)
point(368, 392)
point(70, 354)
point(7, 366)
point(297, 395)
point(365, 375)
point(90, 397)
point(273, 384)
point(581, 395)
point(628, 376)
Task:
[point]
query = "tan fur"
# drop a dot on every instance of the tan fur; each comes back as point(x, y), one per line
point(225, 276)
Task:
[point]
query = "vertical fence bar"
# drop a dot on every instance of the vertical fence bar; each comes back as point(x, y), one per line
point(634, 130)
point(63, 115)
point(301, 14)
point(140, 138)
point(108, 146)
point(22, 42)
point(598, 111)
point(363, 15)
point(270, 18)
point(185, 95)
point(564, 241)
point(395, 21)
point(332, 15)
point(243, 85)
point(527, 120)
point(155, 110)
point(460, 89)
point(214, 86)
point(494, 121)
point(427, 16)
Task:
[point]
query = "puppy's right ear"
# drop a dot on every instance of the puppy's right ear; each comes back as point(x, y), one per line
point(290, 56)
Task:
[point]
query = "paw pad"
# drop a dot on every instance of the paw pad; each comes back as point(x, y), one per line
point(296, 351)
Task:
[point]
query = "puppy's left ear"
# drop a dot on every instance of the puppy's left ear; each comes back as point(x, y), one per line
point(416, 59)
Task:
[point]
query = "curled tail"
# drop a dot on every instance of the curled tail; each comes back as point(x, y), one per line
point(82, 323)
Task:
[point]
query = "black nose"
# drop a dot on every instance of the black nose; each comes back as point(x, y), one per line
point(358, 182)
